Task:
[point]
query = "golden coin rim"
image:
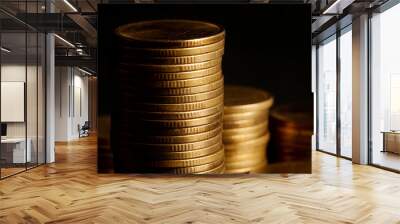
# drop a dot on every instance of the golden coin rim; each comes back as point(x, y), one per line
point(186, 162)
point(179, 99)
point(195, 169)
point(174, 52)
point(184, 83)
point(247, 169)
point(177, 115)
point(141, 59)
point(217, 170)
point(153, 76)
point(188, 154)
point(177, 147)
point(176, 139)
point(245, 130)
point(262, 105)
point(178, 91)
point(185, 130)
point(242, 164)
point(172, 68)
point(284, 113)
point(121, 32)
point(244, 157)
point(232, 139)
point(248, 150)
point(243, 123)
point(253, 142)
point(183, 106)
point(246, 115)
point(176, 123)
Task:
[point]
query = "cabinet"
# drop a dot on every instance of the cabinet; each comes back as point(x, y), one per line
point(391, 141)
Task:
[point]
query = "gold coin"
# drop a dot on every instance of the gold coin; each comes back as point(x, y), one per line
point(187, 154)
point(174, 147)
point(262, 168)
point(141, 59)
point(255, 169)
point(296, 115)
point(179, 99)
point(231, 139)
point(173, 131)
point(247, 151)
point(244, 123)
point(260, 155)
point(253, 158)
point(173, 139)
point(170, 33)
point(183, 106)
point(298, 133)
point(173, 52)
point(261, 127)
point(153, 76)
point(186, 162)
point(179, 170)
point(175, 83)
point(250, 150)
point(174, 123)
point(245, 116)
point(177, 115)
point(217, 170)
point(240, 156)
point(242, 164)
point(171, 68)
point(195, 169)
point(172, 91)
point(250, 143)
point(245, 99)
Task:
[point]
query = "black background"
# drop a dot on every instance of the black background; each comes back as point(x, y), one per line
point(266, 46)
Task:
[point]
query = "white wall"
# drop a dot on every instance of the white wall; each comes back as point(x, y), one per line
point(33, 126)
point(80, 84)
point(17, 72)
point(71, 86)
point(14, 72)
point(62, 81)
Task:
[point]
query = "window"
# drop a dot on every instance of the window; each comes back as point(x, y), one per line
point(346, 92)
point(326, 91)
point(335, 108)
point(22, 101)
point(385, 89)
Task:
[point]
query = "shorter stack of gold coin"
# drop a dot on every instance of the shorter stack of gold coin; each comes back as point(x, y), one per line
point(170, 101)
point(245, 133)
point(291, 131)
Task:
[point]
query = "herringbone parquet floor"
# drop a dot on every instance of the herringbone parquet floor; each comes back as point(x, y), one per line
point(70, 191)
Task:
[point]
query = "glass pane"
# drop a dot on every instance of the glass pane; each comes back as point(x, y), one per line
point(327, 96)
point(31, 97)
point(14, 153)
point(385, 84)
point(346, 94)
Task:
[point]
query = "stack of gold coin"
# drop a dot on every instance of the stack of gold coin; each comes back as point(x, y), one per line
point(291, 131)
point(245, 133)
point(168, 117)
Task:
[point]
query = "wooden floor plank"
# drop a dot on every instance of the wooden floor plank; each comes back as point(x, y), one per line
point(71, 191)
